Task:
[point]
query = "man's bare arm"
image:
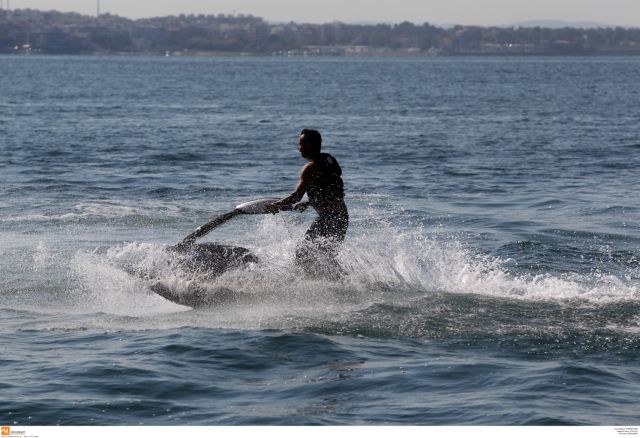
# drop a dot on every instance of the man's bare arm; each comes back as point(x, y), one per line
point(306, 176)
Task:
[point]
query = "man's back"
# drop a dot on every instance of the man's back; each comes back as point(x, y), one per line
point(326, 189)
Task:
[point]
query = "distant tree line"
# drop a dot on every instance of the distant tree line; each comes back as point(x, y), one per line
point(51, 32)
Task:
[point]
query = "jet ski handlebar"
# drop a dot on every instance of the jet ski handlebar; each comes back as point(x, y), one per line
point(259, 206)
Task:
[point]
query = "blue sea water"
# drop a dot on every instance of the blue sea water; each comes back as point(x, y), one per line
point(492, 265)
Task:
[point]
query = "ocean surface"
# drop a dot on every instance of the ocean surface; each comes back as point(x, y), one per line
point(491, 268)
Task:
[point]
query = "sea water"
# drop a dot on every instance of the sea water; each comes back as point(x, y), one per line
point(491, 268)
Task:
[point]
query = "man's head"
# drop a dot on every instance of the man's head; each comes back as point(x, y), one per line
point(310, 143)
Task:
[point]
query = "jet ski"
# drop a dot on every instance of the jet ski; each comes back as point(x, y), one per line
point(206, 261)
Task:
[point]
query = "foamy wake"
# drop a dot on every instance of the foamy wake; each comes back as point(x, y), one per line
point(380, 264)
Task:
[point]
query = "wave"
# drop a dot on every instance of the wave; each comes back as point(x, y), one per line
point(107, 209)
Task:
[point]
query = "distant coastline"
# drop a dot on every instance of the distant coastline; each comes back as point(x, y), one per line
point(27, 31)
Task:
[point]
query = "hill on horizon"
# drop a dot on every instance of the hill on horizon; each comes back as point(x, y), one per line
point(559, 24)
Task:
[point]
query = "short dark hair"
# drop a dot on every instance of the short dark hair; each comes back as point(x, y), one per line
point(313, 137)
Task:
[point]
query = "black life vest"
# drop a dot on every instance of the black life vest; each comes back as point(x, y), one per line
point(327, 187)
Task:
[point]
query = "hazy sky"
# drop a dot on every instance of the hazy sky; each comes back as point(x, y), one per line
point(481, 12)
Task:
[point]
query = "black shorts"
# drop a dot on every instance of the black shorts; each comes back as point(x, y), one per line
point(317, 253)
point(328, 228)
